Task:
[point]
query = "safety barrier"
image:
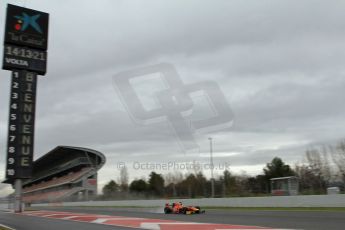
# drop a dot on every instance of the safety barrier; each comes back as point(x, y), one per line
point(275, 201)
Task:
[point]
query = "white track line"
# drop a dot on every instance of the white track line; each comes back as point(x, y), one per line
point(69, 217)
point(6, 227)
point(102, 220)
point(156, 225)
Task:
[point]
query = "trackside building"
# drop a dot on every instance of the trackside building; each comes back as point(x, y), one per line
point(65, 173)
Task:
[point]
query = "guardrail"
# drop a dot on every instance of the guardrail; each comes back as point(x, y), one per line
point(4, 206)
point(277, 201)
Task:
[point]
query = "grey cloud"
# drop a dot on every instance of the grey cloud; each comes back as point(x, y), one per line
point(279, 64)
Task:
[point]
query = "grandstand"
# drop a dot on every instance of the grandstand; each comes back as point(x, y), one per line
point(64, 174)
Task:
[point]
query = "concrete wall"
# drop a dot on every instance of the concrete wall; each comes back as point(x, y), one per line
point(278, 201)
point(3, 206)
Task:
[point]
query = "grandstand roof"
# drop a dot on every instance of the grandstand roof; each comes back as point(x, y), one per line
point(59, 157)
point(57, 153)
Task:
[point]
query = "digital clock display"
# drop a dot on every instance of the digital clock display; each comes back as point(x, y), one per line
point(25, 53)
point(19, 57)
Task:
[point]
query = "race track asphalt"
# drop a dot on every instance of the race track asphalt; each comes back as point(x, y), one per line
point(21, 222)
point(308, 220)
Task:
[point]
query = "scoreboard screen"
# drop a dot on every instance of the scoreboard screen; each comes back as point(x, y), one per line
point(18, 57)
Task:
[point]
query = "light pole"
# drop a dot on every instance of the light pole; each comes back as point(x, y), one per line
point(211, 162)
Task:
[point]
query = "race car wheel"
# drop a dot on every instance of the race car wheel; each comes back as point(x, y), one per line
point(184, 210)
point(167, 210)
point(199, 211)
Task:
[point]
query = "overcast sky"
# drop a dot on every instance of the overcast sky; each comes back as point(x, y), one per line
point(280, 65)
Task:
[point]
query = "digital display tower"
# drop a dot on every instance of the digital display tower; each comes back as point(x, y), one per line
point(25, 54)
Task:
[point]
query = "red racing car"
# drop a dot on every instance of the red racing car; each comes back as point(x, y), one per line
point(178, 208)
